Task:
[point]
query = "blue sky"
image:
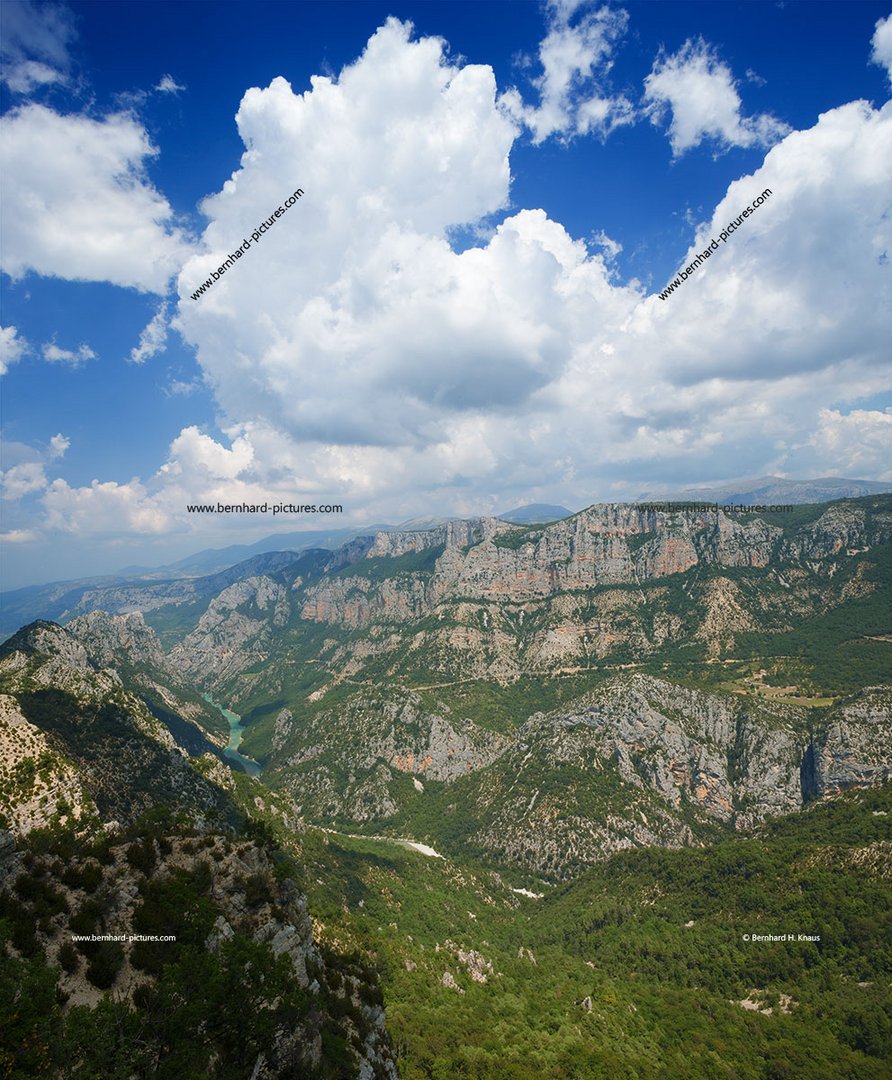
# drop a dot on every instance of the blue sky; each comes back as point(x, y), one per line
point(462, 313)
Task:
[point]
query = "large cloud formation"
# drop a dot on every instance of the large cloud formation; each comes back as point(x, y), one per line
point(353, 337)
point(359, 353)
point(356, 349)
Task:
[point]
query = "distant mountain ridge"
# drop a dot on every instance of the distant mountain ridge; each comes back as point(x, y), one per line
point(210, 559)
point(773, 490)
point(190, 578)
point(535, 514)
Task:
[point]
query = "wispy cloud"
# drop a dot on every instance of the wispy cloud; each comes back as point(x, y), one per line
point(182, 387)
point(34, 45)
point(169, 85)
point(73, 357)
point(153, 337)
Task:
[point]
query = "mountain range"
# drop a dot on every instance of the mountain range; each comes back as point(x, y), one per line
point(539, 779)
point(774, 490)
point(43, 601)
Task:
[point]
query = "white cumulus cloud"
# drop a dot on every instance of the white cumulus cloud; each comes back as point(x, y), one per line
point(357, 285)
point(105, 509)
point(192, 450)
point(881, 45)
point(575, 57)
point(12, 347)
point(857, 443)
point(23, 479)
point(77, 205)
point(699, 92)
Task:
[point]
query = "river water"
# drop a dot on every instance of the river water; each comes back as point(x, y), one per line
point(235, 739)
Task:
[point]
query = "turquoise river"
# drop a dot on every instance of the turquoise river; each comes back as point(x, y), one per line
point(235, 739)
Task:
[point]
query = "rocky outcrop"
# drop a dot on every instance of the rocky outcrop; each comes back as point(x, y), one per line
point(37, 785)
point(113, 640)
point(283, 728)
point(357, 602)
point(439, 751)
point(91, 736)
point(478, 968)
point(248, 903)
point(735, 760)
point(642, 762)
point(604, 545)
point(843, 529)
point(346, 760)
point(457, 533)
point(854, 749)
point(235, 631)
point(399, 732)
point(49, 656)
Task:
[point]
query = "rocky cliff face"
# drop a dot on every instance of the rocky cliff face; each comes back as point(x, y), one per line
point(347, 668)
point(43, 655)
point(113, 641)
point(393, 545)
point(855, 750)
point(86, 739)
point(646, 763)
point(639, 762)
point(736, 761)
point(604, 545)
point(37, 784)
point(486, 599)
point(235, 632)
